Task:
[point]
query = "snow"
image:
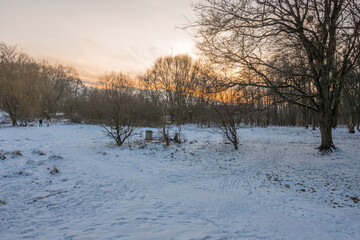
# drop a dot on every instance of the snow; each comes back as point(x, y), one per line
point(276, 186)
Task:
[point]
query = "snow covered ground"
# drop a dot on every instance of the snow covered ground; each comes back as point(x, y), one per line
point(70, 182)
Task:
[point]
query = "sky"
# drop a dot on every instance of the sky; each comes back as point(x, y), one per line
point(98, 36)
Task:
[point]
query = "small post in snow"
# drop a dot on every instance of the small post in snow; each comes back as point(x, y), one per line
point(148, 135)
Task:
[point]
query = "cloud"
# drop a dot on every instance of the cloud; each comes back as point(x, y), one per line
point(88, 40)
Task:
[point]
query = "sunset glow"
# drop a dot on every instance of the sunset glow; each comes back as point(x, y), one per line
point(96, 36)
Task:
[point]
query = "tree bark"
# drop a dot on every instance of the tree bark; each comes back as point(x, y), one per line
point(166, 135)
point(13, 118)
point(313, 121)
point(327, 144)
point(351, 123)
point(14, 122)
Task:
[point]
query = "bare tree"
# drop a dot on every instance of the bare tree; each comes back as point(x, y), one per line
point(53, 84)
point(284, 45)
point(171, 85)
point(351, 102)
point(18, 84)
point(73, 99)
point(116, 106)
point(226, 104)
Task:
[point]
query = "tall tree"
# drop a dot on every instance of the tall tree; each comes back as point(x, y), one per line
point(54, 82)
point(171, 85)
point(18, 84)
point(302, 50)
point(73, 97)
point(351, 102)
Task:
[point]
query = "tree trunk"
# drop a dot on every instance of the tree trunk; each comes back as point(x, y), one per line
point(351, 128)
point(327, 117)
point(166, 135)
point(326, 135)
point(351, 124)
point(313, 121)
point(13, 119)
point(118, 138)
point(306, 118)
point(335, 119)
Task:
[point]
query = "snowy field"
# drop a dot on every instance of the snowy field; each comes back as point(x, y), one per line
point(70, 182)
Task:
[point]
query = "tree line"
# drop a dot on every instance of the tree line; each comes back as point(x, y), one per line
point(261, 63)
point(30, 89)
point(176, 90)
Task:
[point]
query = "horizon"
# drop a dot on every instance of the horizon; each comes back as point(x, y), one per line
point(96, 37)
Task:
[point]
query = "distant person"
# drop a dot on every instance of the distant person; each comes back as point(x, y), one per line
point(40, 122)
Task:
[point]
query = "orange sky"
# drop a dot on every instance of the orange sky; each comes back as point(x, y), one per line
point(96, 36)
